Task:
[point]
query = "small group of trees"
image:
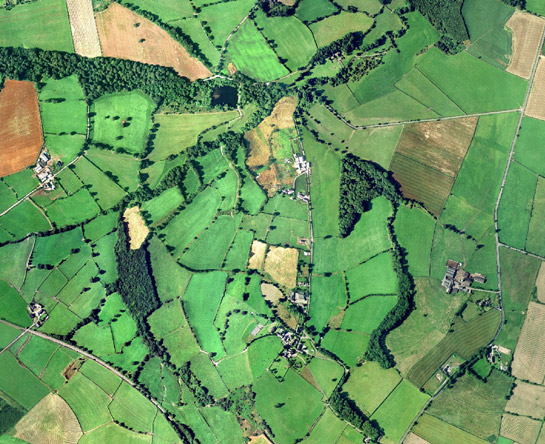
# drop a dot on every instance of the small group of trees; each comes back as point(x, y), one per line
point(349, 411)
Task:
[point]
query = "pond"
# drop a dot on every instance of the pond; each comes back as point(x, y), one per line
point(225, 95)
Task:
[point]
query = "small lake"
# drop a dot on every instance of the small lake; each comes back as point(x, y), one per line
point(225, 95)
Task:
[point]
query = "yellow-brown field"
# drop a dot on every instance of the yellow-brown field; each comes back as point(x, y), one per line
point(519, 428)
point(281, 266)
point(527, 30)
point(536, 101)
point(257, 255)
point(540, 283)
point(138, 230)
point(414, 439)
point(83, 27)
point(271, 293)
point(527, 400)
point(51, 421)
point(529, 358)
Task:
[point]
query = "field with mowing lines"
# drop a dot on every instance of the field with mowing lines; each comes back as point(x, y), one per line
point(83, 26)
point(376, 276)
point(529, 359)
point(527, 30)
point(335, 27)
point(434, 430)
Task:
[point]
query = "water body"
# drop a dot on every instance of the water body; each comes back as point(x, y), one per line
point(225, 95)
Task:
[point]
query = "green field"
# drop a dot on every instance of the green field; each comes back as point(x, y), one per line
point(23, 219)
point(122, 168)
point(41, 24)
point(336, 26)
point(536, 233)
point(328, 298)
point(237, 256)
point(37, 353)
point(122, 120)
point(22, 182)
point(376, 276)
point(300, 405)
point(193, 28)
point(348, 346)
point(368, 238)
point(399, 409)
point(13, 259)
point(516, 205)
point(536, 6)
point(366, 314)
point(377, 144)
point(104, 378)
point(327, 429)
point(327, 373)
point(228, 188)
point(222, 18)
point(52, 374)
point(250, 53)
point(440, 432)
point(179, 131)
point(163, 205)
point(519, 272)
point(66, 147)
point(310, 10)
point(133, 409)
point(283, 31)
point(167, 10)
point(73, 209)
point(528, 139)
point(369, 385)
point(261, 353)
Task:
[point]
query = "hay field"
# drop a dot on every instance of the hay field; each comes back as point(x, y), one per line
point(83, 27)
point(527, 400)
point(146, 43)
point(527, 30)
point(21, 130)
point(281, 265)
point(257, 255)
point(529, 359)
point(137, 227)
point(519, 428)
point(51, 421)
point(536, 101)
point(540, 283)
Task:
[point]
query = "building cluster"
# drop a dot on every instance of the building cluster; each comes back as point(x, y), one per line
point(299, 298)
point(288, 191)
point(257, 329)
point(494, 356)
point(291, 342)
point(43, 172)
point(301, 164)
point(37, 313)
point(303, 197)
point(456, 279)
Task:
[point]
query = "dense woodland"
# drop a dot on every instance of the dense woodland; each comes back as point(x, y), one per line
point(349, 411)
point(445, 16)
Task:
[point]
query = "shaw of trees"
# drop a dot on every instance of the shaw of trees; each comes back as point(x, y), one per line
point(445, 15)
point(9, 416)
point(347, 45)
point(349, 411)
point(362, 181)
point(265, 96)
point(104, 75)
point(277, 9)
point(520, 3)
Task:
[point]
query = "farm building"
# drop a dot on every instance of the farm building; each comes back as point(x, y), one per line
point(456, 279)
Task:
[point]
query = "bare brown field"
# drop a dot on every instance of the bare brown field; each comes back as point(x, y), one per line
point(281, 265)
point(519, 428)
point(271, 293)
point(84, 28)
point(138, 230)
point(540, 283)
point(126, 35)
point(527, 400)
point(414, 439)
point(257, 255)
point(439, 145)
point(529, 358)
point(527, 30)
point(21, 136)
point(536, 101)
point(288, 2)
point(421, 183)
point(51, 421)
point(280, 118)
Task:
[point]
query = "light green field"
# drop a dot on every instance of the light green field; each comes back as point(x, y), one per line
point(261, 353)
point(211, 165)
point(366, 314)
point(41, 24)
point(376, 276)
point(376, 144)
point(192, 220)
point(452, 74)
point(301, 405)
point(310, 10)
point(222, 18)
point(193, 28)
point(286, 231)
point(160, 207)
point(23, 219)
point(7, 196)
point(370, 6)
point(327, 373)
point(535, 241)
point(111, 110)
point(328, 298)
point(104, 378)
point(223, 424)
point(237, 256)
point(97, 339)
point(65, 147)
point(166, 10)
point(250, 53)
point(201, 301)
point(283, 31)
point(368, 238)
point(19, 383)
point(52, 375)
point(440, 432)
point(348, 346)
point(327, 429)
point(399, 409)
point(414, 229)
point(235, 371)
point(133, 409)
point(286, 207)
point(526, 152)
point(37, 353)
point(69, 181)
point(74, 209)
point(105, 258)
point(13, 259)
point(179, 131)
point(61, 321)
point(100, 226)
point(536, 6)
point(123, 168)
point(516, 205)
point(54, 249)
point(202, 365)
point(166, 319)
point(369, 385)
point(7, 334)
point(111, 432)
point(335, 27)
point(22, 182)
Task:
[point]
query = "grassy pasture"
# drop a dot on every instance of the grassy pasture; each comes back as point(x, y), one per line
point(222, 18)
point(123, 168)
point(250, 53)
point(61, 320)
point(369, 385)
point(22, 182)
point(451, 75)
point(258, 224)
point(366, 314)
point(327, 429)
point(228, 188)
point(202, 365)
point(368, 238)
point(37, 353)
point(287, 231)
point(211, 165)
point(483, 404)
point(335, 27)
point(73, 209)
point(160, 207)
point(433, 429)
point(104, 378)
point(235, 371)
point(13, 259)
point(223, 424)
point(52, 374)
point(328, 298)
point(237, 256)
point(376, 144)
point(69, 181)
point(100, 226)
point(536, 233)
point(167, 10)
point(399, 409)
point(41, 24)
point(64, 147)
point(465, 340)
point(106, 258)
point(193, 28)
point(97, 339)
point(132, 408)
point(111, 110)
point(179, 131)
point(310, 10)
point(23, 219)
point(370, 6)
point(526, 152)
point(283, 31)
point(536, 6)
point(520, 428)
point(251, 195)
point(376, 276)
point(80, 281)
point(301, 405)
point(192, 220)
point(348, 346)
point(414, 229)
point(201, 301)
point(155, 173)
point(286, 207)
point(111, 432)
point(516, 205)
point(52, 250)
